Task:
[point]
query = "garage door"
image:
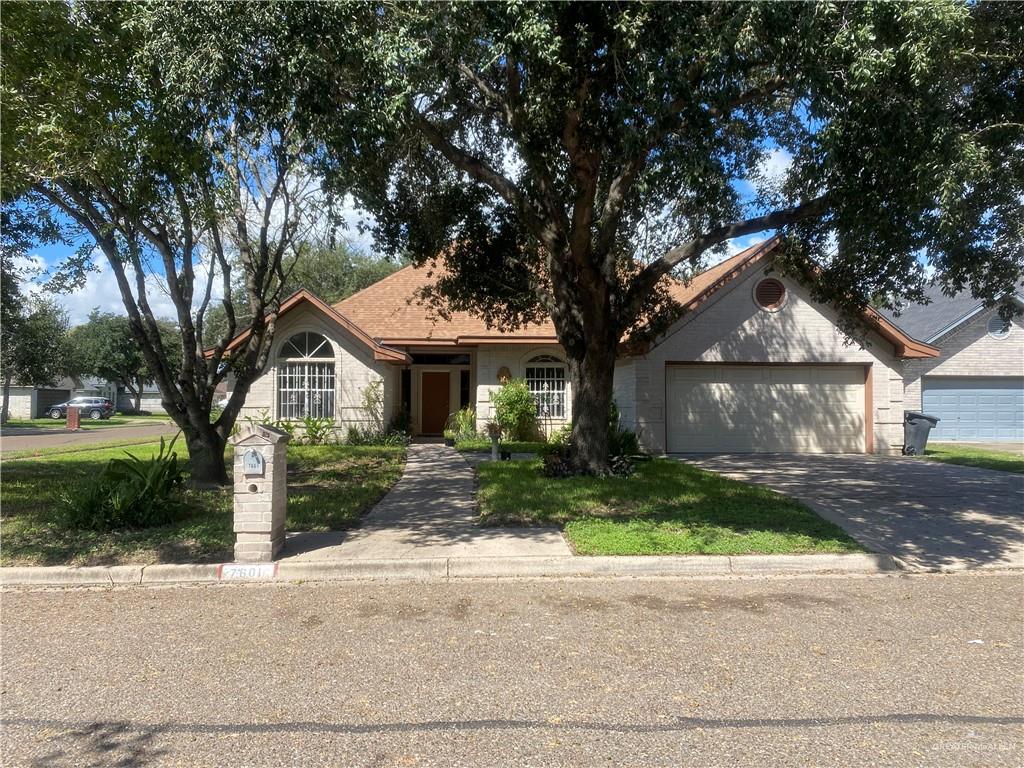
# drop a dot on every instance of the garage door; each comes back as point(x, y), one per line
point(988, 409)
point(47, 397)
point(769, 408)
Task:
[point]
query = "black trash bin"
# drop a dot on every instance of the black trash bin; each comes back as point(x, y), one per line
point(916, 427)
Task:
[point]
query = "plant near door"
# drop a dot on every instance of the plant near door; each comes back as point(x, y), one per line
point(515, 410)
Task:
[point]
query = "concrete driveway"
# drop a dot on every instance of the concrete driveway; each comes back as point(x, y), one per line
point(926, 514)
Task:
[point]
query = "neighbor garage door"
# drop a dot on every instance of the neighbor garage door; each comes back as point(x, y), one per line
point(986, 409)
point(765, 408)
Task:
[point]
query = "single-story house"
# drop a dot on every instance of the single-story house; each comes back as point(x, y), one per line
point(976, 386)
point(34, 402)
point(753, 365)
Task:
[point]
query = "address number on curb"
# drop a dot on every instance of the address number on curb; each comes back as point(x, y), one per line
point(246, 571)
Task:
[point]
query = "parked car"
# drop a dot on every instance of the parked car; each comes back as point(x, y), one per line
point(94, 407)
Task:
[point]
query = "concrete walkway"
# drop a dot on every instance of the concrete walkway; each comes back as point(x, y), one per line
point(429, 513)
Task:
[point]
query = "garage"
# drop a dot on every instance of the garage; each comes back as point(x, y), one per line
point(974, 408)
point(722, 408)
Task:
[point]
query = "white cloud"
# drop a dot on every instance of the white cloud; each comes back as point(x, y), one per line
point(100, 292)
point(775, 164)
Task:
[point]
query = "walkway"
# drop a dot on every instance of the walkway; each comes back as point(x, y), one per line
point(430, 512)
point(926, 514)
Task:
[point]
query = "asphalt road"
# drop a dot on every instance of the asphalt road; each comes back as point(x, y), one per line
point(922, 671)
point(31, 439)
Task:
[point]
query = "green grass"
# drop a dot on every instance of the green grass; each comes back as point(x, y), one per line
point(952, 453)
point(483, 444)
point(117, 420)
point(330, 487)
point(666, 507)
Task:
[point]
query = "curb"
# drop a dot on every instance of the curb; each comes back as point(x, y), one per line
point(455, 568)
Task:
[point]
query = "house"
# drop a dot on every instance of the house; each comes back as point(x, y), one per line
point(753, 365)
point(32, 402)
point(976, 386)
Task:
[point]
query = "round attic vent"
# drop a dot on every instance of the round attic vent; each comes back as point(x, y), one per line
point(770, 294)
point(998, 328)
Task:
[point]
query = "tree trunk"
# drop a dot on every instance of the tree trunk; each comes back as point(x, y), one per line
point(591, 380)
point(137, 399)
point(7, 400)
point(206, 457)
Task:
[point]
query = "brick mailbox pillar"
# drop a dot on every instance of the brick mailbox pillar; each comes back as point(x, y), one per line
point(261, 493)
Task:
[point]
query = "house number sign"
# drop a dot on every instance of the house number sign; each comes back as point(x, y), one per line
point(253, 463)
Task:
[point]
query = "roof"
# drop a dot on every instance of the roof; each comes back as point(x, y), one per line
point(391, 313)
point(941, 315)
point(380, 351)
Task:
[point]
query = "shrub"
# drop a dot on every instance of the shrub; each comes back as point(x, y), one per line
point(621, 442)
point(461, 425)
point(516, 410)
point(127, 493)
point(370, 436)
point(318, 431)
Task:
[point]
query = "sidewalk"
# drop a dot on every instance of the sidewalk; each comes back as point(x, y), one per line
point(430, 513)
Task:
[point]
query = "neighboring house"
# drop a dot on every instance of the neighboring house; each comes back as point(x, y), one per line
point(753, 365)
point(976, 386)
point(29, 402)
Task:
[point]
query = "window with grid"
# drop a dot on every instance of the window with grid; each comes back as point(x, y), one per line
point(305, 378)
point(545, 376)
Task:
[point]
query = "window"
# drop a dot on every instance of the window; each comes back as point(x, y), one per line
point(545, 376)
point(464, 389)
point(305, 378)
point(998, 328)
point(770, 294)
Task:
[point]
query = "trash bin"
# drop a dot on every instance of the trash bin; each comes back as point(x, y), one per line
point(916, 427)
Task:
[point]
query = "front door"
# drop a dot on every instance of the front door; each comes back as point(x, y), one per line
point(434, 405)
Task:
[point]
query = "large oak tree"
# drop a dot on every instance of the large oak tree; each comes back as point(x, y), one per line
point(186, 186)
point(567, 158)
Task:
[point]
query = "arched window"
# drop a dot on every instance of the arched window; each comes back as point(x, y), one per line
point(305, 378)
point(545, 376)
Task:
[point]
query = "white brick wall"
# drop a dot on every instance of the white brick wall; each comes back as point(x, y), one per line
point(968, 351)
point(355, 368)
point(732, 328)
point(491, 358)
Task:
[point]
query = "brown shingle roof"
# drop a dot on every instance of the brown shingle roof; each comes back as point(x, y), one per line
point(391, 310)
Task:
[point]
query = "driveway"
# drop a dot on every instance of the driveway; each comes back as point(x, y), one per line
point(926, 514)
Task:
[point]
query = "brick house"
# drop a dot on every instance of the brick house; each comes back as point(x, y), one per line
point(754, 364)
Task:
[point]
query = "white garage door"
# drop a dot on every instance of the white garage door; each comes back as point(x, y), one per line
point(765, 408)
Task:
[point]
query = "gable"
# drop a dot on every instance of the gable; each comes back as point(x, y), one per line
point(730, 326)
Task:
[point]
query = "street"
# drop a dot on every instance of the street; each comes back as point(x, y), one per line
point(922, 670)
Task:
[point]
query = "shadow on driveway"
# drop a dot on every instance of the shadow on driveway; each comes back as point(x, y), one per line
point(927, 514)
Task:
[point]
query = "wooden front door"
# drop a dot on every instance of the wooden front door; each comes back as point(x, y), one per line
point(434, 402)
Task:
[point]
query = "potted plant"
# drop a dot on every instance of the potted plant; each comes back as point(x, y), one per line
point(449, 438)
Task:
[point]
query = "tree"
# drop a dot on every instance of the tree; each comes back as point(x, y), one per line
point(568, 158)
point(336, 273)
point(32, 333)
point(105, 347)
point(332, 273)
point(37, 353)
point(183, 179)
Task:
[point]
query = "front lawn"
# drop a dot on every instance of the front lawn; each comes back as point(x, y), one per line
point(484, 444)
point(118, 420)
point(667, 507)
point(329, 486)
point(952, 453)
